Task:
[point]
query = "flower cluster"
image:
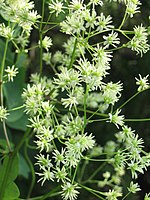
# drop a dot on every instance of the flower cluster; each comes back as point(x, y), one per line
point(20, 15)
point(57, 107)
point(139, 42)
point(40, 100)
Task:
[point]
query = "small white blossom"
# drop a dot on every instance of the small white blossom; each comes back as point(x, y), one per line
point(44, 140)
point(46, 43)
point(132, 7)
point(61, 174)
point(69, 102)
point(142, 82)
point(11, 72)
point(111, 39)
point(43, 161)
point(69, 191)
point(76, 5)
point(113, 195)
point(74, 23)
point(135, 168)
point(3, 113)
point(104, 23)
point(147, 196)
point(139, 42)
point(59, 156)
point(47, 57)
point(96, 2)
point(6, 31)
point(112, 92)
point(56, 6)
point(134, 187)
point(46, 175)
point(116, 119)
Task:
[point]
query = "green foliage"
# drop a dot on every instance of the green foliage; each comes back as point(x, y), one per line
point(8, 173)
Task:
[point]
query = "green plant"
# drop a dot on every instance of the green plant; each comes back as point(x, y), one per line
point(54, 111)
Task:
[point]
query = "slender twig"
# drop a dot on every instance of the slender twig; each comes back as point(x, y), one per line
point(41, 38)
point(73, 54)
point(1, 91)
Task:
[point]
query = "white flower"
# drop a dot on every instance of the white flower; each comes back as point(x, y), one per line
point(74, 23)
point(59, 157)
point(43, 161)
point(6, 31)
point(112, 92)
point(112, 195)
point(96, 2)
point(147, 196)
point(3, 113)
point(69, 191)
point(76, 4)
point(46, 175)
point(139, 42)
point(56, 6)
point(102, 58)
point(69, 102)
point(142, 82)
point(61, 174)
point(132, 7)
point(134, 187)
point(11, 72)
point(47, 57)
point(80, 143)
point(111, 39)
point(116, 119)
point(104, 23)
point(45, 138)
point(46, 43)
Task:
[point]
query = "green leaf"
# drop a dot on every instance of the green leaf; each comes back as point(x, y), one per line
point(9, 56)
point(11, 192)
point(8, 173)
point(23, 167)
point(13, 91)
point(20, 124)
point(9, 167)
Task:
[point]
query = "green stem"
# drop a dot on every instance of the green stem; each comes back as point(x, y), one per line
point(98, 120)
point(1, 91)
point(9, 164)
point(74, 175)
point(50, 28)
point(49, 194)
point(3, 60)
point(95, 172)
point(41, 38)
point(92, 191)
point(31, 168)
point(85, 98)
point(22, 141)
point(47, 21)
point(5, 177)
point(126, 195)
point(123, 21)
point(16, 108)
point(73, 54)
point(93, 113)
point(137, 120)
point(82, 170)
point(132, 97)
